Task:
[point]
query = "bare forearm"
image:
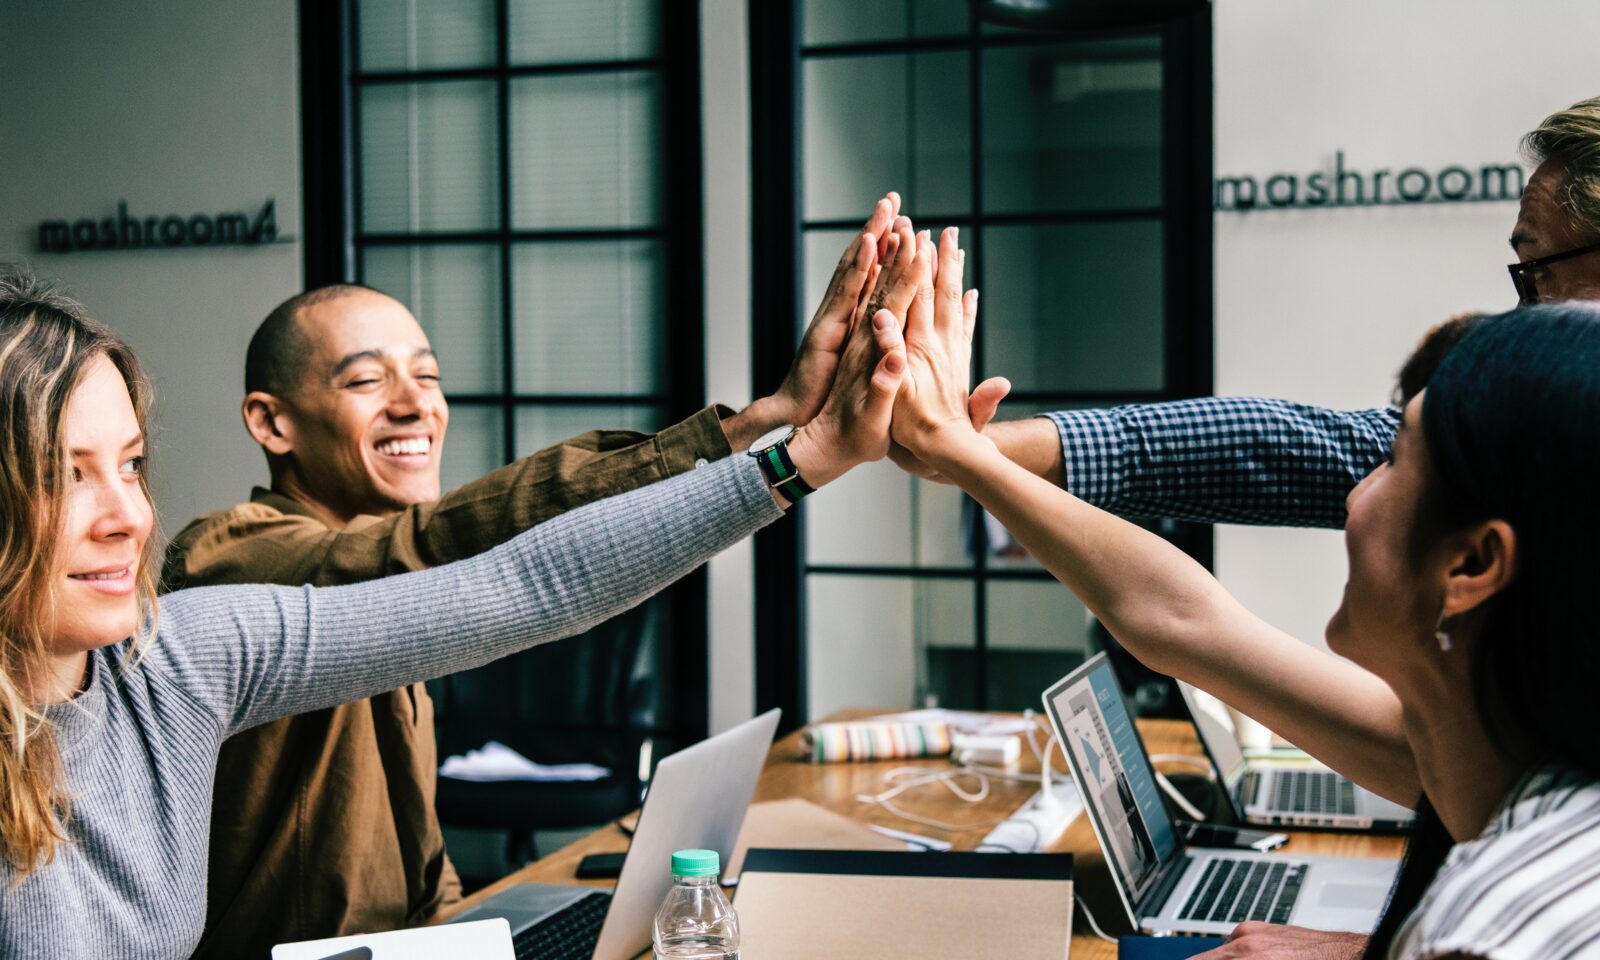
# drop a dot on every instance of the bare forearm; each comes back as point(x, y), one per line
point(1172, 614)
point(1032, 444)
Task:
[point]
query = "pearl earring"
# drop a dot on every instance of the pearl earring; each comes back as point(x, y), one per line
point(1442, 634)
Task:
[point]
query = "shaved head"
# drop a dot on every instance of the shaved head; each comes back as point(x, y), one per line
point(280, 349)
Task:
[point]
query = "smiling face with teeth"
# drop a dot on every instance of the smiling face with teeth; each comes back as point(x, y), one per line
point(362, 431)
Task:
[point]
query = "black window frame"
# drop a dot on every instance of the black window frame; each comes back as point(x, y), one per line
point(776, 56)
point(333, 242)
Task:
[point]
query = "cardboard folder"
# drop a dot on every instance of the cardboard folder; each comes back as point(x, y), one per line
point(803, 904)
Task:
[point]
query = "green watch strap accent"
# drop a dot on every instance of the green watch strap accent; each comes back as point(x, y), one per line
point(781, 472)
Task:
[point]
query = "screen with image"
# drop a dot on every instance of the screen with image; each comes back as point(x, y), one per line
point(1118, 783)
point(1215, 727)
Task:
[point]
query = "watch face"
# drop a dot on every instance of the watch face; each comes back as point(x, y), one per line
point(772, 438)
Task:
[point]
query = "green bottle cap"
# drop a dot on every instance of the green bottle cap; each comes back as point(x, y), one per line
point(696, 863)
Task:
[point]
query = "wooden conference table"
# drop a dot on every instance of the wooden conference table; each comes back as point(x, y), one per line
point(835, 786)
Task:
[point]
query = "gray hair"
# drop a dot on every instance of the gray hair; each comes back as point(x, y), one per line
point(1571, 138)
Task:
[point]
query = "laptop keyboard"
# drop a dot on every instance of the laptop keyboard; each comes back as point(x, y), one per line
point(570, 934)
point(1314, 791)
point(1232, 891)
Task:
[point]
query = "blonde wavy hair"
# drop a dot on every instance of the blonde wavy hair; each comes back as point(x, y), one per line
point(47, 344)
point(1571, 137)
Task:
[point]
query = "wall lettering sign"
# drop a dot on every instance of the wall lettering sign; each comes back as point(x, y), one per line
point(1343, 186)
point(124, 232)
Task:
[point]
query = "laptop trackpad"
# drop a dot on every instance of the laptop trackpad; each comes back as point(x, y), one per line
point(525, 904)
point(1352, 896)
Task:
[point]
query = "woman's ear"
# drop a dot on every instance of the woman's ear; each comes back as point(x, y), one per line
point(1482, 561)
point(268, 422)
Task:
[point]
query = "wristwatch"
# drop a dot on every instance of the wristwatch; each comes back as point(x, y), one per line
point(771, 451)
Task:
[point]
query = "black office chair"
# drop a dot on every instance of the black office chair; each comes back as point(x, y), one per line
point(593, 698)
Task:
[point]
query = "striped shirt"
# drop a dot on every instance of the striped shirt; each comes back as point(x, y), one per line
point(1528, 888)
point(1223, 459)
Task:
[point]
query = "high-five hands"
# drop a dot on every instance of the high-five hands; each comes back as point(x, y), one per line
point(884, 366)
point(852, 425)
point(844, 305)
point(934, 409)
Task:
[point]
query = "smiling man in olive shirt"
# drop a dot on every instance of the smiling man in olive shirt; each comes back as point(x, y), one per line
point(323, 823)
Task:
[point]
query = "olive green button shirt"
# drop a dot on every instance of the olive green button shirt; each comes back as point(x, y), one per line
point(323, 824)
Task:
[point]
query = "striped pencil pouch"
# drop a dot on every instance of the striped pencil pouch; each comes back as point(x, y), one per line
point(866, 740)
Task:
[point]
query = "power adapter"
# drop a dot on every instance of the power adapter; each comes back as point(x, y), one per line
point(1039, 823)
point(993, 751)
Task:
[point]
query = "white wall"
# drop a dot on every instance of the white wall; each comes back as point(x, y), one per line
point(1322, 306)
point(177, 107)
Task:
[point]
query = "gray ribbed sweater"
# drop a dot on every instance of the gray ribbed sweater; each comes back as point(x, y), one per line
point(140, 745)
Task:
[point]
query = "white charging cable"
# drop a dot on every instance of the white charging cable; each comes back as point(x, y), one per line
point(907, 778)
point(1172, 791)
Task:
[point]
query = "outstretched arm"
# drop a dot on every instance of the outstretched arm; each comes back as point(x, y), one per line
point(1210, 459)
point(252, 653)
point(1164, 608)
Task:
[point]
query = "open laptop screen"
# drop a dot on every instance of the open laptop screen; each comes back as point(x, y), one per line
point(1211, 721)
point(1114, 772)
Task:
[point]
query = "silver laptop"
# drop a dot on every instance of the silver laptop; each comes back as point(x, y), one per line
point(1286, 795)
point(1164, 886)
point(697, 799)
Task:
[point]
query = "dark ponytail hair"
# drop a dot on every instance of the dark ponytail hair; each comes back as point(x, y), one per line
point(1512, 424)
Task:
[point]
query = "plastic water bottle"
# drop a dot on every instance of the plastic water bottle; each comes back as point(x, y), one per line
point(696, 922)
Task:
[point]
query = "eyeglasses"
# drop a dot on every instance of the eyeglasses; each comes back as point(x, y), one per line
point(1522, 273)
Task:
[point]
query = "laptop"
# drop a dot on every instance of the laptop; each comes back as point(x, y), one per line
point(697, 799)
point(484, 940)
point(1165, 887)
point(1285, 795)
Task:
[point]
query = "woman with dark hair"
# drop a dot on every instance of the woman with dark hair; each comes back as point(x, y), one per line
point(1466, 615)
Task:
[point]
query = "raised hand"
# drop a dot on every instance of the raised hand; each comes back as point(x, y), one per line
point(853, 425)
point(982, 406)
point(801, 395)
point(934, 406)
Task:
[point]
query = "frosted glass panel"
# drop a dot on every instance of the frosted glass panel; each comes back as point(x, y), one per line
point(474, 444)
point(428, 157)
point(589, 317)
point(454, 291)
point(1072, 127)
point(543, 426)
point(881, 516)
point(1036, 615)
point(1038, 632)
point(873, 124)
point(1074, 307)
point(852, 21)
point(885, 641)
point(566, 31)
point(425, 34)
point(586, 151)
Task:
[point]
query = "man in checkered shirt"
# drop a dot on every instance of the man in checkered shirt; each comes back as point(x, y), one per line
point(1259, 461)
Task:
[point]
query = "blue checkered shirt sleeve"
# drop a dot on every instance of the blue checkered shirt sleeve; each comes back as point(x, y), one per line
point(1223, 459)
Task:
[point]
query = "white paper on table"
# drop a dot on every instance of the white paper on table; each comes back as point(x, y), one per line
point(494, 761)
point(976, 724)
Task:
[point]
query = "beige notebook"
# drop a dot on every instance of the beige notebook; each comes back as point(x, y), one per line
point(804, 904)
point(791, 824)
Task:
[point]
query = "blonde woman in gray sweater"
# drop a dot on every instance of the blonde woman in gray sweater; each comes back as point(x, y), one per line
point(112, 707)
